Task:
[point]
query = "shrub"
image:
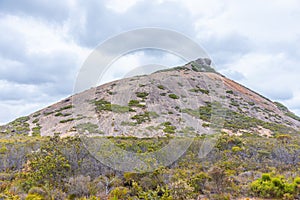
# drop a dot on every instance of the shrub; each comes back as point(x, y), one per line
point(38, 191)
point(203, 91)
point(297, 180)
point(34, 197)
point(198, 181)
point(173, 96)
point(78, 186)
point(168, 127)
point(229, 92)
point(205, 125)
point(272, 187)
point(66, 120)
point(6, 176)
point(236, 149)
point(3, 149)
point(47, 166)
point(161, 87)
point(35, 121)
point(142, 95)
point(135, 103)
point(140, 118)
point(181, 190)
point(118, 193)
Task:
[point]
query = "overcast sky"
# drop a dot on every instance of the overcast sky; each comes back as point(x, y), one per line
point(44, 43)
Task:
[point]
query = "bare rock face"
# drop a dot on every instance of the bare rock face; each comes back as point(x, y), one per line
point(203, 61)
point(185, 101)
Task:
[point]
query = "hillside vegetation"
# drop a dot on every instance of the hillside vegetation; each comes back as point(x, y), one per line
point(247, 166)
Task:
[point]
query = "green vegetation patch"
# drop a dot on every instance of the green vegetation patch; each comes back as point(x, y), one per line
point(125, 123)
point(90, 127)
point(19, 126)
point(229, 91)
point(234, 120)
point(64, 108)
point(141, 118)
point(286, 111)
point(168, 127)
point(269, 186)
point(135, 103)
point(142, 95)
point(293, 116)
point(173, 96)
point(197, 89)
point(161, 87)
point(66, 120)
point(36, 131)
point(59, 114)
point(103, 105)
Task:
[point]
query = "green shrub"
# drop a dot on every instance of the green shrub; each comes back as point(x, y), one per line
point(161, 87)
point(236, 149)
point(169, 129)
point(38, 191)
point(140, 118)
point(229, 92)
point(3, 149)
point(118, 193)
point(173, 96)
point(142, 95)
point(35, 121)
point(34, 197)
point(205, 125)
point(64, 108)
point(66, 120)
point(272, 187)
point(297, 180)
point(203, 91)
point(135, 103)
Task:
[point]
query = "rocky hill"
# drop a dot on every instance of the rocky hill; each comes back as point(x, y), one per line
point(189, 100)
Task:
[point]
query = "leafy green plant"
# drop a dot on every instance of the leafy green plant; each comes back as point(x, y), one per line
point(135, 103)
point(161, 87)
point(272, 187)
point(140, 118)
point(66, 120)
point(196, 90)
point(103, 105)
point(173, 96)
point(142, 95)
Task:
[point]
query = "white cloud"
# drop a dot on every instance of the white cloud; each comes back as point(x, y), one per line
point(129, 64)
point(120, 6)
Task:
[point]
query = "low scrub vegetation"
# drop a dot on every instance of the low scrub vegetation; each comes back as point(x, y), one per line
point(238, 166)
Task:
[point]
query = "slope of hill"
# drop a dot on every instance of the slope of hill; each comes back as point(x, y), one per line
point(178, 101)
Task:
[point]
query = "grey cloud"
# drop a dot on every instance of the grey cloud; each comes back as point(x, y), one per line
point(40, 69)
point(143, 14)
point(226, 48)
point(46, 9)
point(12, 44)
point(234, 75)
